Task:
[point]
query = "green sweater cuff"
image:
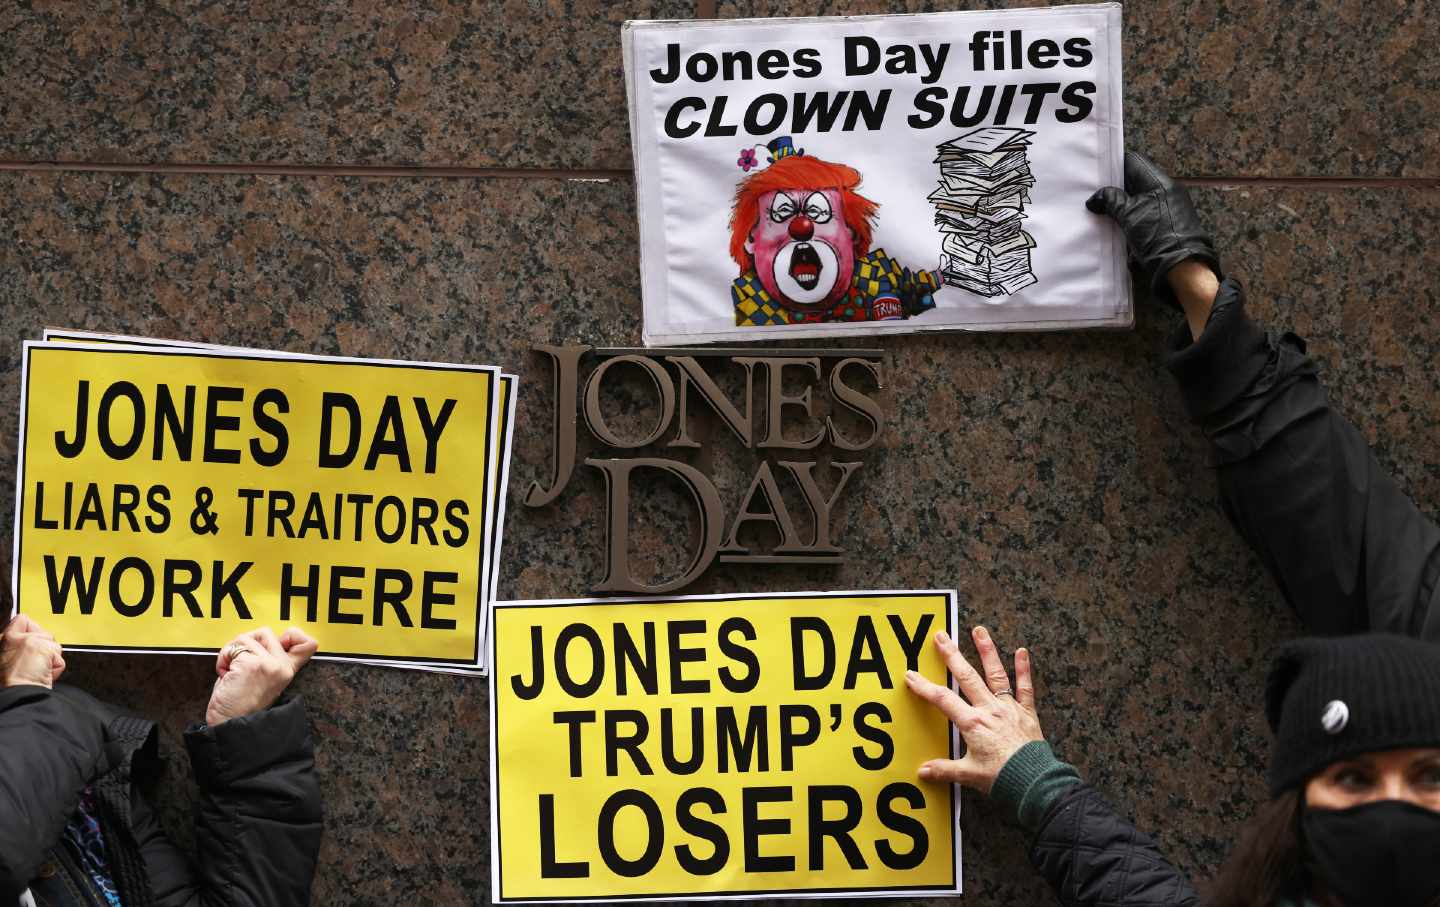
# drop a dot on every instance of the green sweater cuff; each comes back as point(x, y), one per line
point(1030, 782)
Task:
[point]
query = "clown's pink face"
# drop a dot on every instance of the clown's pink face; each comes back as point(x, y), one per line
point(804, 253)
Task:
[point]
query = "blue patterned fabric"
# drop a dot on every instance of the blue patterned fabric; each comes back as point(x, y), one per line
point(83, 831)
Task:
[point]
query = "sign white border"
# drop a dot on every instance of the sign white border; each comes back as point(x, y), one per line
point(654, 276)
point(507, 428)
point(952, 618)
point(63, 339)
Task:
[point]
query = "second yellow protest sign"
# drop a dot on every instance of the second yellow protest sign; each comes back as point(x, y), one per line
point(713, 746)
point(170, 498)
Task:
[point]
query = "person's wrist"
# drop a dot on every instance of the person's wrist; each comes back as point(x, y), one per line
point(1195, 285)
point(1022, 767)
point(218, 716)
point(1194, 278)
point(15, 675)
point(215, 716)
point(25, 682)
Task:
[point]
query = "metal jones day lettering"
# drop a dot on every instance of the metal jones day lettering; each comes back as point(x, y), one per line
point(682, 383)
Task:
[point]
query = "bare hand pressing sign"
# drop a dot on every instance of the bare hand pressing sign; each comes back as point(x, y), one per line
point(994, 719)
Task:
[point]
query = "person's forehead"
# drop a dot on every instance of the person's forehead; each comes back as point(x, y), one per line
point(1391, 758)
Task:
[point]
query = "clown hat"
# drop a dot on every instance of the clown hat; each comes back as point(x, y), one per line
point(783, 147)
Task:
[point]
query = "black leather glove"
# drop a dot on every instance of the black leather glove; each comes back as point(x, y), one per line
point(1158, 220)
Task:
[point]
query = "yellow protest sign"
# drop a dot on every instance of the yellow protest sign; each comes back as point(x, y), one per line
point(499, 467)
point(719, 745)
point(171, 497)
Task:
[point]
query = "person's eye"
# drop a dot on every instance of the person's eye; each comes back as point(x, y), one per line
point(1351, 778)
point(817, 208)
point(782, 209)
point(1428, 775)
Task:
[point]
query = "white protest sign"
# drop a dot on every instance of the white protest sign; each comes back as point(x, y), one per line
point(875, 174)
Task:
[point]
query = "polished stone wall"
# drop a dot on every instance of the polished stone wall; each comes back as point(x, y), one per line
point(179, 169)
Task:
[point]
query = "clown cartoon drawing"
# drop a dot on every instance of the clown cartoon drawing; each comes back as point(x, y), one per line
point(800, 233)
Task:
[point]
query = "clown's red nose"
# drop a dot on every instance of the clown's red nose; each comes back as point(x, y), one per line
point(801, 228)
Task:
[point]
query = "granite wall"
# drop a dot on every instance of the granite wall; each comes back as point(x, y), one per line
point(199, 170)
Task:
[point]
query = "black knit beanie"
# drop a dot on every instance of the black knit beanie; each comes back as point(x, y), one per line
point(1333, 698)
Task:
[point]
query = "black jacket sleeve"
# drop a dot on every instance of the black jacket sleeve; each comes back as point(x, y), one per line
point(1349, 550)
point(49, 751)
point(1093, 857)
point(258, 823)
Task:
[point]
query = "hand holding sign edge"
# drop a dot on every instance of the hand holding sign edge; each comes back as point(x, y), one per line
point(29, 655)
point(254, 669)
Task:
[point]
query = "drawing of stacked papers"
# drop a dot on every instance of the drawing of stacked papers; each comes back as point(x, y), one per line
point(984, 188)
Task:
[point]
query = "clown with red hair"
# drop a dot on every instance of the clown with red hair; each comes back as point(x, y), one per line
point(800, 233)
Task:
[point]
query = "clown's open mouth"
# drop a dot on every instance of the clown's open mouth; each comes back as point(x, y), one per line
point(805, 266)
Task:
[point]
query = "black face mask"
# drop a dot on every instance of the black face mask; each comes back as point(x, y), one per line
point(1380, 853)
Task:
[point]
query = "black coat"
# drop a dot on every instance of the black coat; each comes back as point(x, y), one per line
point(1093, 857)
point(1295, 478)
point(257, 823)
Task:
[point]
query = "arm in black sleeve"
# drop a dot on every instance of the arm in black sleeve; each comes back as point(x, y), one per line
point(1349, 551)
point(258, 825)
point(1093, 857)
point(49, 751)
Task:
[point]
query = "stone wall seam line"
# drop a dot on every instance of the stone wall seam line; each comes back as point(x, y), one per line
point(362, 171)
